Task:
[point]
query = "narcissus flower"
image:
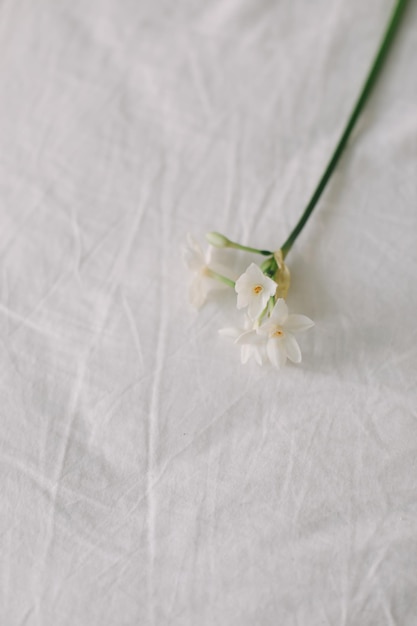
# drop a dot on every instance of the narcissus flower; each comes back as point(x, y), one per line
point(253, 290)
point(279, 330)
point(271, 328)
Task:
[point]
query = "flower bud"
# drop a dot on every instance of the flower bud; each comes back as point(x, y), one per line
point(217, 240)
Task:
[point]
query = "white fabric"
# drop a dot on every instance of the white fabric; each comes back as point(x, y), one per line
point(148, 478)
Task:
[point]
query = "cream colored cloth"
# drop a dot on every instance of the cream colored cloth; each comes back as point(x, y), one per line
point(149, 479)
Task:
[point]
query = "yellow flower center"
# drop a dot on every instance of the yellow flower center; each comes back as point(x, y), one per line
point(257, 289)
point(277, 333)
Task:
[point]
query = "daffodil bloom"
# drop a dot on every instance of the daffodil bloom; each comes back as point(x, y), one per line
point(197, 262)
point(279, 330)
point(253, 290)
point(251, 343)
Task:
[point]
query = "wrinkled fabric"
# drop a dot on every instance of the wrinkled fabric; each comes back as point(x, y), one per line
point(148, 478)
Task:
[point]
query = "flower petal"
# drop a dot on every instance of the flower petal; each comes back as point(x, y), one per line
point(193, 255)
point(248, 323)
point(266, 328)
point(234, 333)
point(248, 350)
point(243, 282)
point(245, 352)
point(277, 353)
point(197, 293)
point(254, 272)
point(270, 286)
point(257, 355)
point(248, 336)
point(279, 313)
point(256, 306)
point(297, 323)
point(242, 299)
point(208, 255)
point(292, 348)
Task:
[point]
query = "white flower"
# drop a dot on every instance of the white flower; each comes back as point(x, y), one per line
point(253, 290)
point(251, 344)
point(279, 328)
point(197, 262)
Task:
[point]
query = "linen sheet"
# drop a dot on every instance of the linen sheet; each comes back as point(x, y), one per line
point(148, 478)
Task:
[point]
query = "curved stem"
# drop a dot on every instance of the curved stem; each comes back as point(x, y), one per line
point(366, 89)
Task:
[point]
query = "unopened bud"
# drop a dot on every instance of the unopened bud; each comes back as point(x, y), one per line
point(217, 240)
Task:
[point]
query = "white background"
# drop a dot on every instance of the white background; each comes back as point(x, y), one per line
point(148, 478)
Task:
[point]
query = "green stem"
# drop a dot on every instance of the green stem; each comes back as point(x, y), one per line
point(223, 279)
point(363, 97)
point(267, 310)
point(237, 246)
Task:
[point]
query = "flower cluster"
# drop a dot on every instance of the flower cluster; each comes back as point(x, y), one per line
point(268, 329)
